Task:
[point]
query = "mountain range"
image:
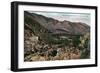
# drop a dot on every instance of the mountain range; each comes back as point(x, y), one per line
point(55, 26)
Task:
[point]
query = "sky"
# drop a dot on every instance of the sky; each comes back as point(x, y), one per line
point(61, 16)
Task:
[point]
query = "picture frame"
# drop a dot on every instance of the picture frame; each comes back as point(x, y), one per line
point(55, 24)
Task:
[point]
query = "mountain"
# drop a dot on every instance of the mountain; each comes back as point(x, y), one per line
point(58, 27)
point(52, 31)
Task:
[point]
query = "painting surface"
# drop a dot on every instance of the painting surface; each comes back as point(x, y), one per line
point(50, 36)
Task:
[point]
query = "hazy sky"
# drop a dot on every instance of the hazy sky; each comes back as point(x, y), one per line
point(61, 16)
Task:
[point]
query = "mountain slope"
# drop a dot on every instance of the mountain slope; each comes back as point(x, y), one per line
point(55, 26)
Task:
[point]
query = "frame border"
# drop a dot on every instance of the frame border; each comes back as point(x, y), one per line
point(14, 35)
